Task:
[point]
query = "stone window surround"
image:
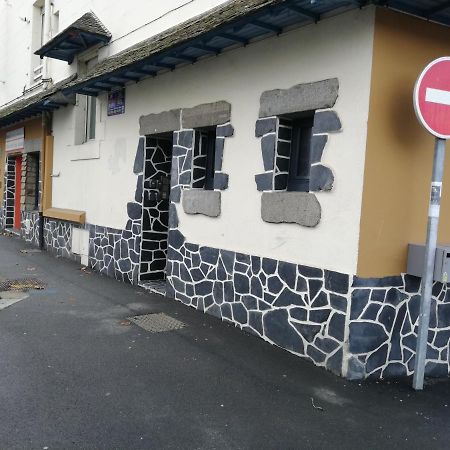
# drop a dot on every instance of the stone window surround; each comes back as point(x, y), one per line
point(281, 206)
point(183, 123)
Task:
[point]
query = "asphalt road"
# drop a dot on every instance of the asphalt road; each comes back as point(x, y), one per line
point(73, 374)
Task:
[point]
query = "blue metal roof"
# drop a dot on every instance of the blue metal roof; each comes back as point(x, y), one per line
point(194, 40)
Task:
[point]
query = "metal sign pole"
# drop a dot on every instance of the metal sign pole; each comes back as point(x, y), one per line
point(427, 280)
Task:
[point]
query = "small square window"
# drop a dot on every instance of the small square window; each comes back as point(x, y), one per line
point(203, 158)
point(300, 154)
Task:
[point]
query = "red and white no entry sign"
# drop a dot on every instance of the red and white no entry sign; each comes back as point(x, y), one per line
point(432, 98)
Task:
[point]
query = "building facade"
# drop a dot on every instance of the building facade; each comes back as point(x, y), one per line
point(259, 161)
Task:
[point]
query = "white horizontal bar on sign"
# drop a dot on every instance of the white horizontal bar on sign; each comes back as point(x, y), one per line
point(437, 96)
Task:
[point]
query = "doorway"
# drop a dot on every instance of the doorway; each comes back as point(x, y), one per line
point(17, 193)
point(155, 211)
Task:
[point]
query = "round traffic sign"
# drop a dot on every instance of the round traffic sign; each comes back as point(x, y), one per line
point(432, 98)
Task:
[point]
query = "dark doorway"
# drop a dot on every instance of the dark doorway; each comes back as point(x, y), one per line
point(17, 192)
point(155, 219)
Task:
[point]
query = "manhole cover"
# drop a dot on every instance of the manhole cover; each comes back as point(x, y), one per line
point(157, 323)
point(22, 284)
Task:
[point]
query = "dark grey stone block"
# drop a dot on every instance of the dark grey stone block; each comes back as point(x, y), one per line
point(225, 131)
point(338, 302)
point(139, 159)
point(302, 208)
point(268, 151)
point(317, 146)
point(278, 330)
point(176, 239)
point(264, 181)
point(336, 326)
point(307, 330)
point(160, 123)
point(186, 138)
point(206, 115)
point(265, 126)
point(395, 297)
point(321, 178)
point(336, 282)
point(396, 281)
point(365, 337)
point(134, 211)
point(288, 298)
point(218, 155)
point(395, 370)
point(173, 216)
point(326, 122)
point(221, 181)
point(299, 98)
point(288, 273)
point(139, 189)
point(387, 317)
point(360, 298)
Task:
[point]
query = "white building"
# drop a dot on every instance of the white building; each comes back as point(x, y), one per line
point(229, 153)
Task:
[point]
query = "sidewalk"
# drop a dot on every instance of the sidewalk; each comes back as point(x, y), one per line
point(75, 374)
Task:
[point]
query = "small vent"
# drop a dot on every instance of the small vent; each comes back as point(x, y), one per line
point(23, 284)
point(157, 323)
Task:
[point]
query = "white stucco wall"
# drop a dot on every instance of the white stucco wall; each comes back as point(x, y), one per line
point(128, 22)
point(336, 47)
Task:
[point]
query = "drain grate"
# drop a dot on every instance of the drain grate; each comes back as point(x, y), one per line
point(157, 323)
point(22, 284)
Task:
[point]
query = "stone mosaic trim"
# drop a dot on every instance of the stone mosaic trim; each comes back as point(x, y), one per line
point(9, 191)
point(383, 328)
point(115, 252)
point(58, 238)
point(275, 134)
point(298, 308)
point(112, 252)
point(30, 229)
point(155, 220)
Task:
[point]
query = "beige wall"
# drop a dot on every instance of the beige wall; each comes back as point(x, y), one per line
point(399, 151)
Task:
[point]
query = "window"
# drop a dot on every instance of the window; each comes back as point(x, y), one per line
point(203, 158)
point(300, 158)
point(91, 110)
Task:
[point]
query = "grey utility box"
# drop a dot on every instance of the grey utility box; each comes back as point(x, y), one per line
point(416, 262)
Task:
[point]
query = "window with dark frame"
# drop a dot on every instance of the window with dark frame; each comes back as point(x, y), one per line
point(203, 158)
point(300, 157)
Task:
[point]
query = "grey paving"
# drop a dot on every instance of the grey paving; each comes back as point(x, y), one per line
point(75, 374)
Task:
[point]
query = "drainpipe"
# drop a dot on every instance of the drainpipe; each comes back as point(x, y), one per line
point(46, 130)
point(47, 33)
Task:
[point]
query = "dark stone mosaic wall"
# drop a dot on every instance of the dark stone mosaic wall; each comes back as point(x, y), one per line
point(298, 308)
point(115, 252)
point(58, 238)
point(155, 221)
point(383, 328)
point(30, 229)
